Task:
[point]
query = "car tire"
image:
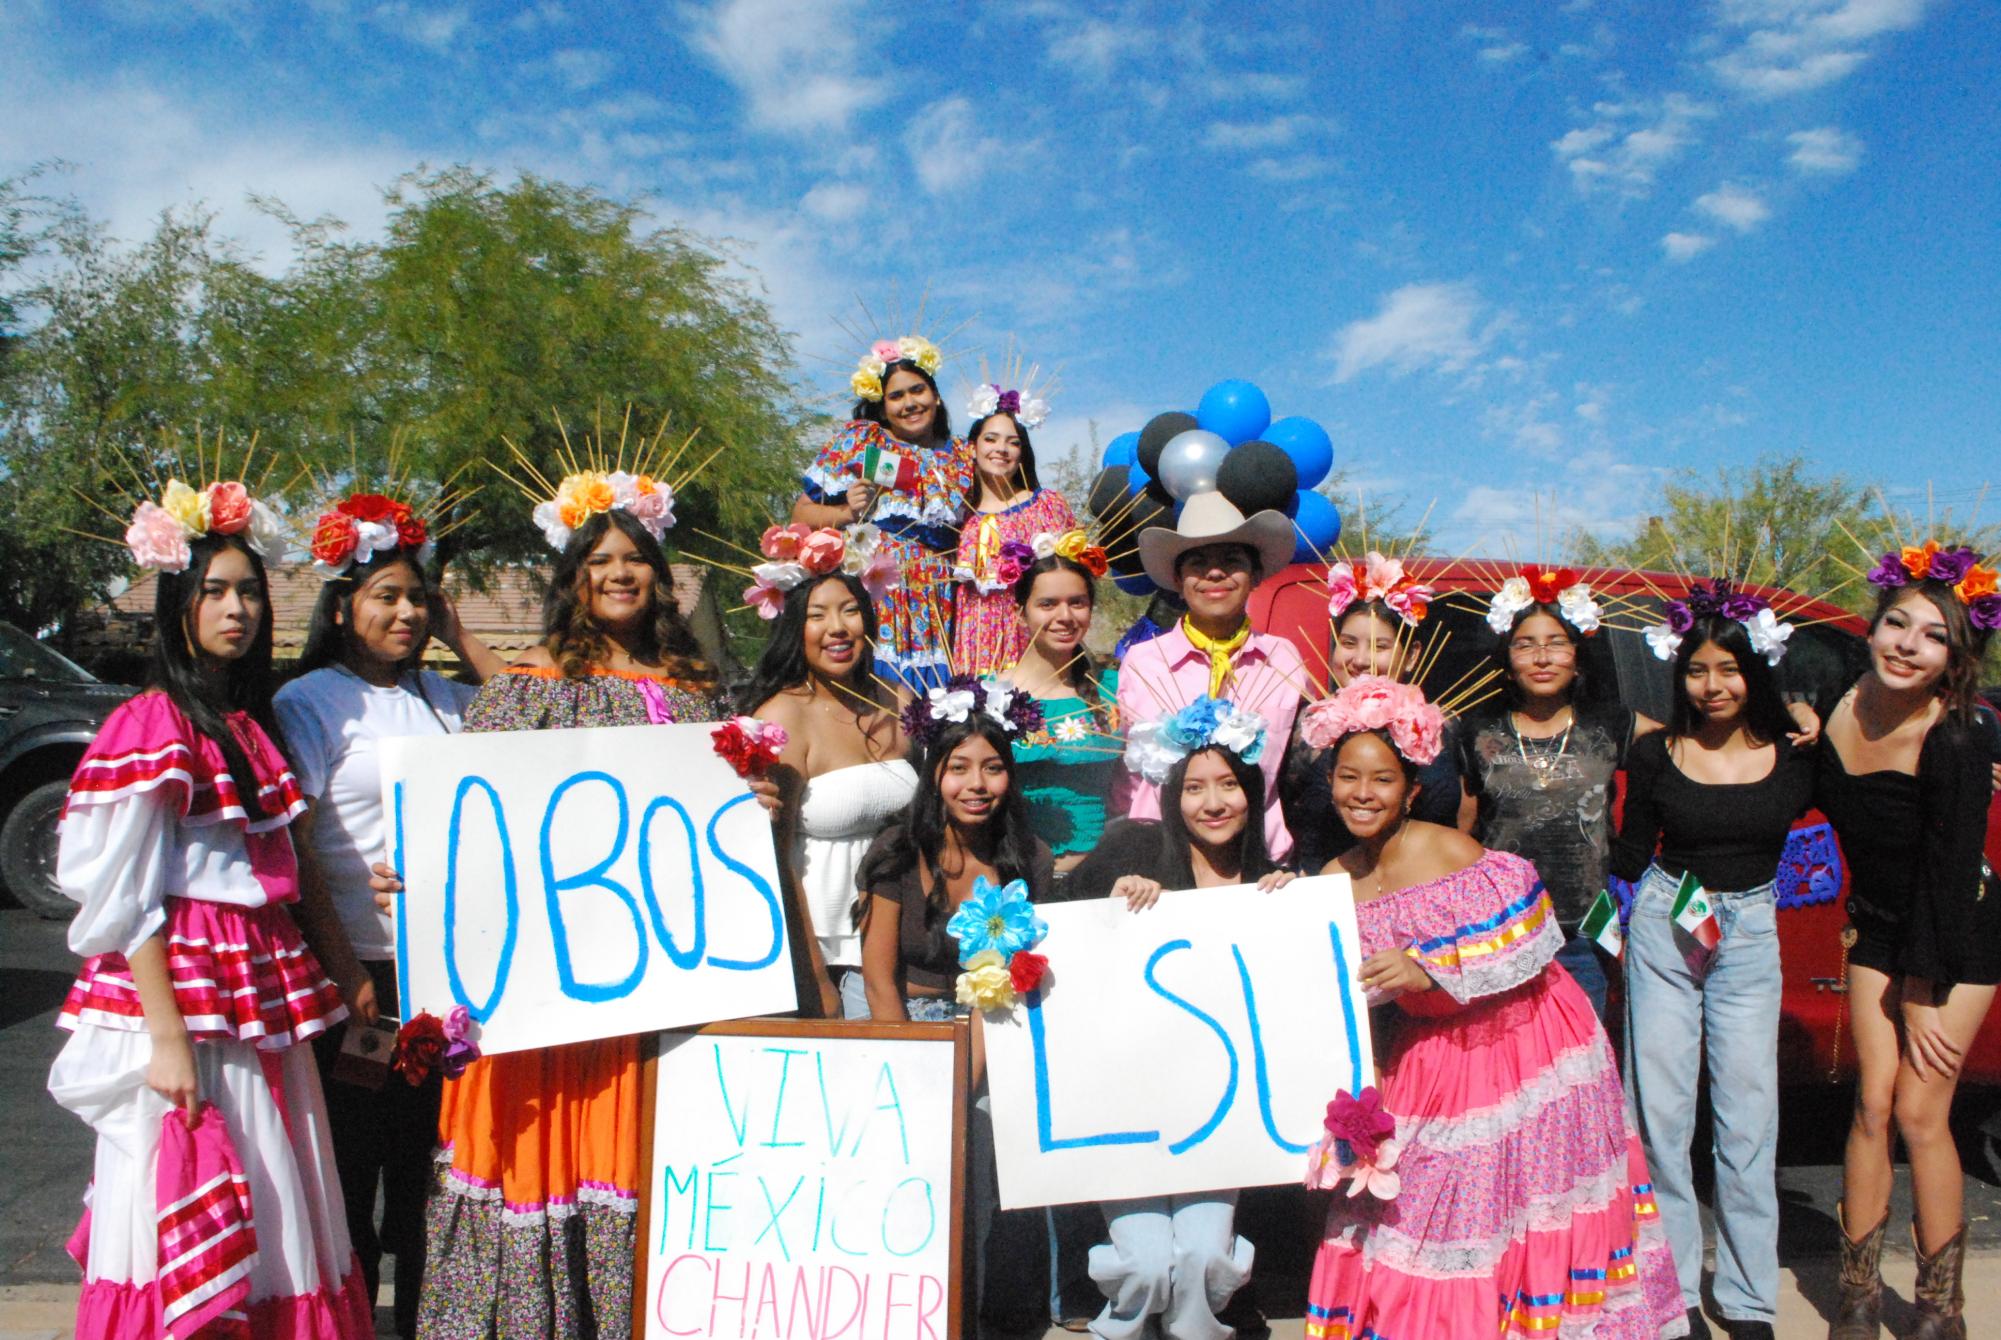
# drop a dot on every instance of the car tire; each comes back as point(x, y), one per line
point(28, 852)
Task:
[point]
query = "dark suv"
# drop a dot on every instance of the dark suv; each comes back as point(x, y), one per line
point(50, 708)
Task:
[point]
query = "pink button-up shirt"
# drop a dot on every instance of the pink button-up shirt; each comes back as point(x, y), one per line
point(1168, 673)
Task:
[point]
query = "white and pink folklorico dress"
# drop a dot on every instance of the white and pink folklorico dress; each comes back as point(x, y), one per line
point(155, 841)
point(1525, 1206)
point(989, 636)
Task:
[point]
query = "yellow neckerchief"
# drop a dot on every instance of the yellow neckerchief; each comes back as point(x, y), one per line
point(1218, 650)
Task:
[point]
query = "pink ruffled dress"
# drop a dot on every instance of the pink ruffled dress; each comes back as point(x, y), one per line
point(989, 636)
point(156, 841)
point(1525, 1206)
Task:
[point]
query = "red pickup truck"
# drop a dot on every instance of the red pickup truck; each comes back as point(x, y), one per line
point(1813, 879)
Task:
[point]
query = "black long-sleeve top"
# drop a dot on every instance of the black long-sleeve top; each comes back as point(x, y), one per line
point(1728, 835)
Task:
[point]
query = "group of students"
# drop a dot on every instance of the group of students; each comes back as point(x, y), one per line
point(226, 843)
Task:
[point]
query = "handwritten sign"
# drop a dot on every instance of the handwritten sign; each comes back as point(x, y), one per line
point(805, 1182)
point(1190, 1047)
point(576, 884)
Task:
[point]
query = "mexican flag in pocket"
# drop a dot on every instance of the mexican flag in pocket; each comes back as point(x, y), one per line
point(1694, 912)
point(1601, 924)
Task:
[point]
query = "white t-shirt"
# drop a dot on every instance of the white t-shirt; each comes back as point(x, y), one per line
point(332, 720)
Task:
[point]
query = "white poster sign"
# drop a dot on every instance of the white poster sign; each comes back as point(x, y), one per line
point(805, 1183)
point(576, 884)
point(1190, 1047)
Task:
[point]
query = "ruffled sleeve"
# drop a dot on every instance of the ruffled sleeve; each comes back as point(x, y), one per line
point(116, 842)
point(1484, 930)
point(512, 700)
point(932, 506)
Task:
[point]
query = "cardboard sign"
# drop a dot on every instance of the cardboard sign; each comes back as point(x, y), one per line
point(805, 1182)
point(1190, 1047)
point(576, 884)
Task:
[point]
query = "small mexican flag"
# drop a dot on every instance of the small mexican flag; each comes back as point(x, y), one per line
point(1601, 924)
point(889, 469)
point(1694, 913)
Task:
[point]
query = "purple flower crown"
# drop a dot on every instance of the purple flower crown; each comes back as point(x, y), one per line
point(963, 697)
point(1718, 598)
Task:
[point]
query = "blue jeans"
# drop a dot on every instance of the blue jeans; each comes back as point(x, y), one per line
point(1580, 958)
point(1685, 1003)
point(854, 994)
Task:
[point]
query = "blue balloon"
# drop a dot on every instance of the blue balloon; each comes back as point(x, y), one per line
point(1307, 443)
point(1318, 523)
point(1122, 450)
point(1137, 478)
point(1234, 410)
point(1134, 583)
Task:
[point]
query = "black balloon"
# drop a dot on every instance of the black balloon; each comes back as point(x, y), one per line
point(1122, 540)
point(1109, 490)
point(1154, 436)
point(1255, 476)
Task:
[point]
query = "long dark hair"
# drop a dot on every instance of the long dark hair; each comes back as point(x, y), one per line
point(1078, 674)
point(1511, 691)
point(1959, 686)
point(330, 634)
point(873, 412)
point(1411, 653)
point(1764, 712)
point(1026, 465)
point(245, 684)
point(1177, 843)
point(783, 664)
point(575, 641)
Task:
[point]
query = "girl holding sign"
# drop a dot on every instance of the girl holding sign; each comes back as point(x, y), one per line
point(361, 679)
point(1495, 1185)
point(1718, 791)
point(1904, 779)
point(1175, 1261)
point(197, 990)
point(897, 465)
point(531, 1220)
point(843, 773)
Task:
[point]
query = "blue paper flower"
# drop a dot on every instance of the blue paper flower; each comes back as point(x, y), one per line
point(1190, 728)
point(1001, 919)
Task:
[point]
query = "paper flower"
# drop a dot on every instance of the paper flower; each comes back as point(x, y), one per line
point(186, 506)
point(748, 745)
point(1768, 635)
point(1579, 609)
point(986, 983)
point(1510, 600)
point(1889, 572)
point(1664, 640)
point(1374, 702)
point(461, 1050)
point(767, 598)
point(1025, 970)
point(1950, 565)
point(820, 553)
point(1358, 1146)
point(998, 918)
point(420, 1045)
point(157, 539)
point(228, 507)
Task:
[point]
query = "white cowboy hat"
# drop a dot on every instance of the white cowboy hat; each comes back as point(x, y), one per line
point(1210, 518)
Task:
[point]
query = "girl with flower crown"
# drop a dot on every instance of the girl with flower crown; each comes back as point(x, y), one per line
point(1010, 510)
point(360, 680)
point(1505, 1192)
point(1716, 794)
point(1904, 779)
point(844, 771)
point(1174, 1262)
point(197, 989)
point(897, 465)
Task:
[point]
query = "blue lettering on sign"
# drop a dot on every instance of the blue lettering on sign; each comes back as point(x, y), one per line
point(483, 1010)
point(593, 878)
point(756, 881)
point(1258, 1064)
point(1044, 1124)
point(402, 920)
point(1207, 1128)
point(691, 956)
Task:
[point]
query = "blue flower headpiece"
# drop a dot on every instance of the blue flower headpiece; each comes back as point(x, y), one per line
point(1154, 747)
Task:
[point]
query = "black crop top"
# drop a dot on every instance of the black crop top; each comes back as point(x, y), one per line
point(928, 952)
point(1728, 835)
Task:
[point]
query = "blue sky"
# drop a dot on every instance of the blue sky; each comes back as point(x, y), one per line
point(1500, 250)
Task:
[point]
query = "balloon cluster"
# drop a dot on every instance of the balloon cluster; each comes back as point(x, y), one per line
point(1229, 445)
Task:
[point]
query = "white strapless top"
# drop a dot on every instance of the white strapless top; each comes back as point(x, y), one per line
point(840, 813)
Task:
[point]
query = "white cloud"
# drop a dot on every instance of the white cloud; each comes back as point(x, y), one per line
point(1273, 133)
point(1627, 144)
point(1783, 47)
point(1417, 326)
point(836, 201)
point(1598, 492)
point(1824, 151)
point(582, 67)
point(794, 61)
point(1735, 207)
point(1098, 46)
point(1504, 53)
point(947, 148)
point(1686, 246)
point(1498, 45)
point(425, 25)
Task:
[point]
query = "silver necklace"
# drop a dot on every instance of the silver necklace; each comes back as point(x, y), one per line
point(1542, 767)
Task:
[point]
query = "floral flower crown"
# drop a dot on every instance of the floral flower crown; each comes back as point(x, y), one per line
point(160, 532)
point(1380, 579)
point(798, 552)
point(1537, 585)
point(598, 479)
point(874, 365)
point(1015, 712)
point(1013, 557)
point(362, 525)
point(1029, 409)
point(1720, 599)
point(1373, 702)
point(997, 931)
point(1154, 747)
point(1958, 567)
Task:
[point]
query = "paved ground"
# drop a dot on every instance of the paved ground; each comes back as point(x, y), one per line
point(47, 1164)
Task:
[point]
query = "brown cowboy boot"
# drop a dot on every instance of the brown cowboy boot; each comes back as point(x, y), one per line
point(1858, 1313)
point(1940, 1297)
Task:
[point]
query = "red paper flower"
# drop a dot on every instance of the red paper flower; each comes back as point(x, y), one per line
point(334, 538)
point(1025, 970)
point(1093, 557)
point(1545, 584)
point(371, 507)
point(1360, 1121)
point(410, 531)
point(748, 745)
point(420, 1045)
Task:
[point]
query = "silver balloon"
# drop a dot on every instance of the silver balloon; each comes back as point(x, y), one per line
point(1189, 461)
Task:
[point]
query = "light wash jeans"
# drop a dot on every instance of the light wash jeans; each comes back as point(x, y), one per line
point(854, 993)
point(1177, 1258)
point(1684, 1003)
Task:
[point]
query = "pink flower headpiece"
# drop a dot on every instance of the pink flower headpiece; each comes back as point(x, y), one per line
point(160, 532)
point(1380, 579)
point(798, 552)
point(1372, 702)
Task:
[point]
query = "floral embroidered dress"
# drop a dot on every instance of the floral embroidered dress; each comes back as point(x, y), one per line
point(989, 636)
point(530, 1225)
point(156, 841)
point(920, 527)
point(1065, 769)
point(1525, 1205)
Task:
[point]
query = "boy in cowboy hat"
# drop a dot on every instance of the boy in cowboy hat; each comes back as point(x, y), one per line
point(1213, 557)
